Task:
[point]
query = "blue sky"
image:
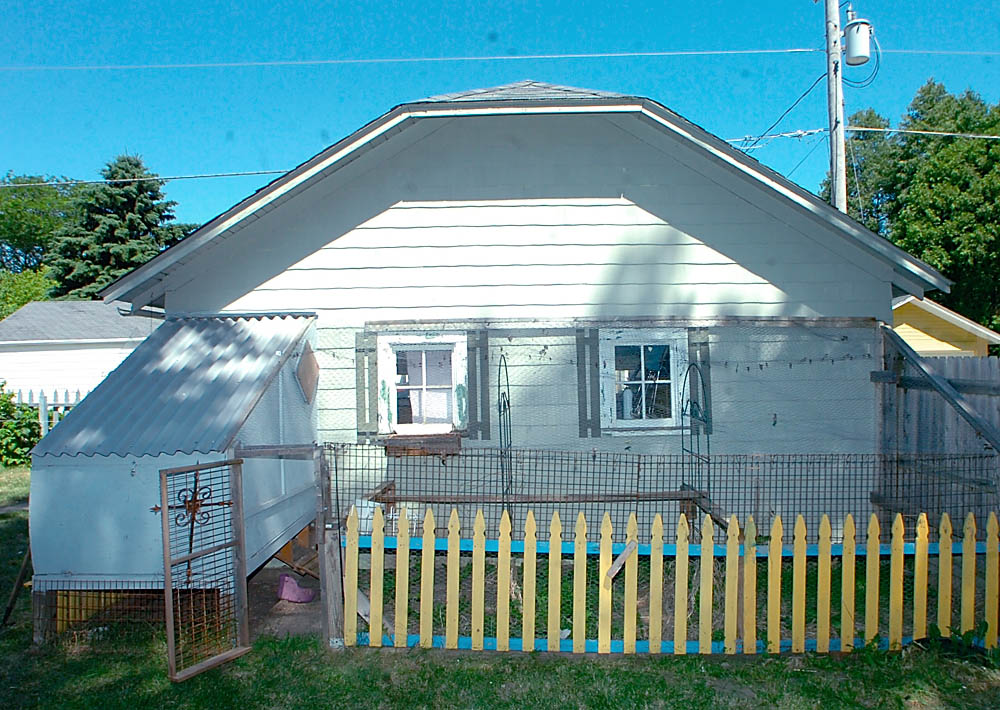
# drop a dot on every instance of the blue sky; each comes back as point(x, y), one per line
point(225, 119)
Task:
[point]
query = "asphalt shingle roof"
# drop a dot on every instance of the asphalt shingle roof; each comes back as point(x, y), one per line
point(526, 90)
point(72, 320)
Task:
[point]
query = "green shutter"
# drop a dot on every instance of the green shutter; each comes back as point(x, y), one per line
point(588, 382)
point(366, 384)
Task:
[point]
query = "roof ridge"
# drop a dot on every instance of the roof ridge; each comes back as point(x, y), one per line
point(523, 90)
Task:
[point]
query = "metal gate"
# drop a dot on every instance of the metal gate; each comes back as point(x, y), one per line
point(204, 566)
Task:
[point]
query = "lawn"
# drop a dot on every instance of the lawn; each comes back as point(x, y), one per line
point(299, 672)
point(14, 485)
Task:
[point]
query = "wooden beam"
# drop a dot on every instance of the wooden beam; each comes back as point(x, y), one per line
point(304, 452)
point(945, 389)
point(513, 499)
point(986, 387)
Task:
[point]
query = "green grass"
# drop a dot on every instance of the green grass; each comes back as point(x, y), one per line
point(299, 672)
point(14, 485)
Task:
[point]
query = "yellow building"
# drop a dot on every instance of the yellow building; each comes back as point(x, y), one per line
point(931, 329)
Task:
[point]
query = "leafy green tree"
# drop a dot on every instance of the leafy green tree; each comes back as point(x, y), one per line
point(20, 287)
point(116, 227)
point(29, 214)
point(938, 197)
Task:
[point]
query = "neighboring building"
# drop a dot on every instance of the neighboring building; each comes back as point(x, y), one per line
point(66, 345)
point(933, 330)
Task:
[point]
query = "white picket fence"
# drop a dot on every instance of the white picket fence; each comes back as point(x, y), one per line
point(51, 408)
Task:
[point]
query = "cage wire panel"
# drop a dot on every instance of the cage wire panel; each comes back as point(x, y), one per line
point(594, 483)
point(204, 566)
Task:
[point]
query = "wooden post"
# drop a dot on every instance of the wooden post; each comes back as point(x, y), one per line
point(239, 552)
point(331, 576)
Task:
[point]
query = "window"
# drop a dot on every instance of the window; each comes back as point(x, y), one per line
point(422, 383)
point(639, 378)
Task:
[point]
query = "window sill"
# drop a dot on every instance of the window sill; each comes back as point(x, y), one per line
point(447, 444)
point(644, 431)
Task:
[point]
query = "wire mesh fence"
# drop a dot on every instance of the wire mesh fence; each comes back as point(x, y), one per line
point(594, 482)
point(205, 574)
point(96, 609)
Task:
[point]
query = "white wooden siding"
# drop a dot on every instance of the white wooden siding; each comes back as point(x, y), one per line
point(535, 216)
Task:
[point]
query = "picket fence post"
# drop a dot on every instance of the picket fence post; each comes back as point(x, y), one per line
point(427, 581)
point(681, 587)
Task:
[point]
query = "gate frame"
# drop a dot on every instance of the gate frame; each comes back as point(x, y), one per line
point(237, 541)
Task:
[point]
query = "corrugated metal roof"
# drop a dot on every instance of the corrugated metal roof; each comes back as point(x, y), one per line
point(188, 388)
point(526, 90)
point(72, 320)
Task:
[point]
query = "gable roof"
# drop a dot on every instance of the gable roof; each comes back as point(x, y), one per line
point(949, 316)
point(188, 388)
point(146, 284)
point(72, 320)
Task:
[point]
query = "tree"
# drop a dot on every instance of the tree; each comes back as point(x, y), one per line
point(28, 216)
point(937, 197)
point(116, 227)
point(18, 288)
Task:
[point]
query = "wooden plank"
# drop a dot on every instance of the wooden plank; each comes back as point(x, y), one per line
point(168, 601)
point(479, 580)
point(451, 585)
point(401, 607)
point(871, 580)
point(377, 578)
point(920, 579)
point(631, 583)
point(750, 587)
point(732, 585)
point(555, 583)
point(944, 575)
point(992, 599)
point(799, 586)
point(968, 619)
point(240, 554)
point(896, 585)
point(580, 585)
point(569, 498)
point(427, 582)
point(823, 587)
point(707, 572)
point(681, 587)
point(656, 585)
point(503, 584)
point(957, 400)
point(351, 580)
point(528, 584)
point(604, 588)
point(774, 587)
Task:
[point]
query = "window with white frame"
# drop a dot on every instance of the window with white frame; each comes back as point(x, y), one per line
point(641, 371)
point(422, 383)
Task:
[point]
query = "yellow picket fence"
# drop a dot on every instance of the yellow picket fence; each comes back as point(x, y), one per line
point(743, 613)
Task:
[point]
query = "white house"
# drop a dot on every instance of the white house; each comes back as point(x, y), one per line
point(48, 346)
point(622, 262)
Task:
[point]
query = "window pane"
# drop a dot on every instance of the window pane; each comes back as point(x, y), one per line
point(658, 401)
point(628, 402)
point(438, 367)
point(409, 367)
point(402, 369)
point(657, 362)
point(430, 407)
point(628, 366)
point(404, 411)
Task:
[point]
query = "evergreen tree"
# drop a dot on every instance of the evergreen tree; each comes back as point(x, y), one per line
point(117, 227)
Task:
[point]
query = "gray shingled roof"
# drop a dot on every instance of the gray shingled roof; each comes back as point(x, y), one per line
point(526, 90)
point(187, 388)
point(72, 320)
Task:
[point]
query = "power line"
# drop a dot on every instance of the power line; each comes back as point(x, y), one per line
point(806, 156)
point(407, 60)
point(118, 181)
point(788, 110)
point(866, 129)
point(798, 133)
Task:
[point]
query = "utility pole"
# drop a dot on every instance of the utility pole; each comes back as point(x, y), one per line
point(835, 103)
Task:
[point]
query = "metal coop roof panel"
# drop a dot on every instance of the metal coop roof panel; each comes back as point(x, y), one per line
point(188, 388)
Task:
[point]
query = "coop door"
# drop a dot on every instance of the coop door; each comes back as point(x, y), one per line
point(204, 566)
